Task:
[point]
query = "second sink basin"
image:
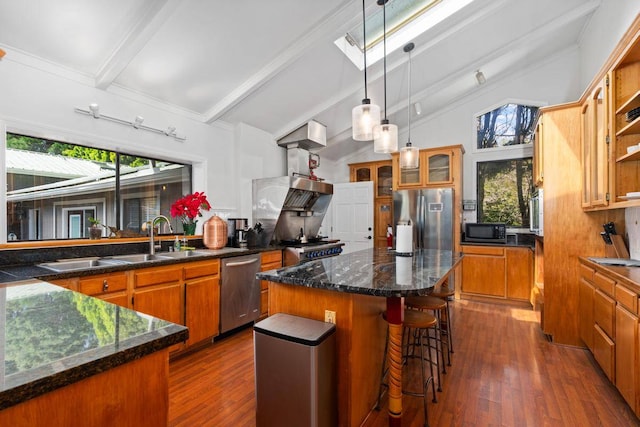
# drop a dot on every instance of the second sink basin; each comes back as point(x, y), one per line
point(183, 254)
point(80, 264)
point(138, 257)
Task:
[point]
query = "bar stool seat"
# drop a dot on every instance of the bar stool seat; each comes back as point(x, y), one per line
point(445, 292)
point(417, 323)
point(437, 306)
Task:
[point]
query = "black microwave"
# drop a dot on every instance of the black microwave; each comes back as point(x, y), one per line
point(485, 232)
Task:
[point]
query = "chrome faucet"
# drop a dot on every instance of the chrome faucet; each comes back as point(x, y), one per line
point(152, 223)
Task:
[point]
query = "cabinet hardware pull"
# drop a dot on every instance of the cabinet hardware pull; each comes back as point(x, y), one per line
point(105, 285)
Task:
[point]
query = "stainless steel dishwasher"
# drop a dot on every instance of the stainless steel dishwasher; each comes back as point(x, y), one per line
point(239, 291)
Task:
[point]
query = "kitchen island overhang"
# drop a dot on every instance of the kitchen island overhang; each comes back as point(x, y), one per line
point(359, 286)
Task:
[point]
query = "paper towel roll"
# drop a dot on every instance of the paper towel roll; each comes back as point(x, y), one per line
point(404, 238)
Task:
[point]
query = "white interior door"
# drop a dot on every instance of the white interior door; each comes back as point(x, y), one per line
point(352, 215)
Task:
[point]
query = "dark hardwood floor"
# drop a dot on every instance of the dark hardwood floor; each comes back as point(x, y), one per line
point(504, 373)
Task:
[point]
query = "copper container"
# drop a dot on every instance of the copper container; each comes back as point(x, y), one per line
point(215, 233)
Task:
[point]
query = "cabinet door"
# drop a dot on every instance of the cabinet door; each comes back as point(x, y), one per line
point(586, 152)
point(519, 273)
point(163, 301)
point(406, 178)
point(383, 218)
point(202, 308)
point(438, 167)
point(595, 147)
point(483, 274)
point(384, 180)
point(585, 309)
point(538, 153)
point(627, 355)
point(604, 352)
point(361, 173)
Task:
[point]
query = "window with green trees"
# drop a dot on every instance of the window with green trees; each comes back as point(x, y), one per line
point(504, 190)
point(510, 124)
point(54, 187)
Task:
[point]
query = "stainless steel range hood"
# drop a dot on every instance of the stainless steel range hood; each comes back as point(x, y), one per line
point(287, 204)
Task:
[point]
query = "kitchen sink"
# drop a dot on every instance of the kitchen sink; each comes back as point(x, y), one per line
point(184, 254)
point(133, 258)
point(79, 264)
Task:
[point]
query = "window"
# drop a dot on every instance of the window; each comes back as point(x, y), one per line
point(504, 190)
point(511, 124)
point(53, 188)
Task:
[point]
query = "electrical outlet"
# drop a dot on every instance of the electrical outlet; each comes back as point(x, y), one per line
point(330, 316)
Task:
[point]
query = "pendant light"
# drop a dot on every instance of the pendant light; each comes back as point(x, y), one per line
point(366, 116)
point(409, 156)
point(385, 135)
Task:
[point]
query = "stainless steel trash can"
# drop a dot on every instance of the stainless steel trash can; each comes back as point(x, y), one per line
point(296, 376)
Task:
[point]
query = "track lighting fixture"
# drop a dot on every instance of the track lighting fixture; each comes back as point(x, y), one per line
point(94, 111)
point(481, 79)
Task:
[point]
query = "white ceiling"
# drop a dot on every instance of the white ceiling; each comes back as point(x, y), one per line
point(273, 64)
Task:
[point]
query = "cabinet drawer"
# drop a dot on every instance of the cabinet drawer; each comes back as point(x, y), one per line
point(155, 276)
point(103, 283)
point(607, 285)
point(604, 352)
point(604, 310)
point(627, 299)
point(201, 268)
point(271, 256)
point(586, 272)
point(483, 250)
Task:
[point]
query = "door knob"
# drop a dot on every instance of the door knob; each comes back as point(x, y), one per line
point(369, 229)
point(369, 237)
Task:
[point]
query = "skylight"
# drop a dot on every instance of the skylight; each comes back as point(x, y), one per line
point(406, 20)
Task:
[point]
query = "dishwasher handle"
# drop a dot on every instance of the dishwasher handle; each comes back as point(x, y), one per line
point(237, 264)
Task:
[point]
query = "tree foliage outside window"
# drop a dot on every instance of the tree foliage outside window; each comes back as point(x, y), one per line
point(511, 124)
point(504, 191)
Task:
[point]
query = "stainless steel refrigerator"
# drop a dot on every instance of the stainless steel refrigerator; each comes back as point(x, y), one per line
point(430, 211)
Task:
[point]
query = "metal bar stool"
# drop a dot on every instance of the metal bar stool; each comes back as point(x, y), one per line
point(437, 306)
point(416, 323)
point(445, 293)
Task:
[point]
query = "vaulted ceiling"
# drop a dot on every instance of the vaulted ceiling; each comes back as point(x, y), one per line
point(273, 64)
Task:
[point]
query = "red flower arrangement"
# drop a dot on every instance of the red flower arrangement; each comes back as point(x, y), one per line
point(188, 207)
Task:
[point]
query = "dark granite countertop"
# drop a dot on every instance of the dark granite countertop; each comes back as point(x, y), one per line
point(13, 273)
point(51, 337)
point(376, 272)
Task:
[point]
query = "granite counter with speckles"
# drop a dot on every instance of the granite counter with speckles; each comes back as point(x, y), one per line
point(51, 337)
point(376, 272)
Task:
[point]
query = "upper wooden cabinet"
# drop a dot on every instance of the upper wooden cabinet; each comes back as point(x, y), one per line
point(610, 126)
point(438, 167)
point(595, 141)
point(538, 153)
point(381, 173)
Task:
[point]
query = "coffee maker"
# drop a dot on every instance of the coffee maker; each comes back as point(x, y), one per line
point(237, 229)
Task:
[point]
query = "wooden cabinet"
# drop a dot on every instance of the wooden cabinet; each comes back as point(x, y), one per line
point(538, 153)
point(270, 260)
point(595, 147)
point(202, 300)
point(503, 272)
point(381, 173)
point(438, 167)
point(610, 310)
point(109, 287)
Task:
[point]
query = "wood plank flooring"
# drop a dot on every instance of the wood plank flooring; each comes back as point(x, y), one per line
point(504, 373)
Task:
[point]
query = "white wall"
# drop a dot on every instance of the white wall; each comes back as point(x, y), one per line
point(257, 156)
point(605, 29)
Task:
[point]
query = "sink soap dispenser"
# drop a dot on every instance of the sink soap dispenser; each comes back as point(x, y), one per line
point(176, 244)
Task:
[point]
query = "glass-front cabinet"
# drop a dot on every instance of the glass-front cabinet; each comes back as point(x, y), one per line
point(595, 147)
point(436, 168)
point(384, 180)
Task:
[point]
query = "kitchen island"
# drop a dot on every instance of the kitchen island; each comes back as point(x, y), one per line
point(71, 359)
point(358, 287)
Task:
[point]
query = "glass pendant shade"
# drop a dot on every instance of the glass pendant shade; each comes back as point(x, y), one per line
point(385, 138)
point(409, 157)
point(364, 118)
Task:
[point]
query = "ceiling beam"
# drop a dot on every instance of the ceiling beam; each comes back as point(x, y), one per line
point(322, 30)
point(152, 15)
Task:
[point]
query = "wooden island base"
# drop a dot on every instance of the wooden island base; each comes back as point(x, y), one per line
point(360, 333)
point(133, 394)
